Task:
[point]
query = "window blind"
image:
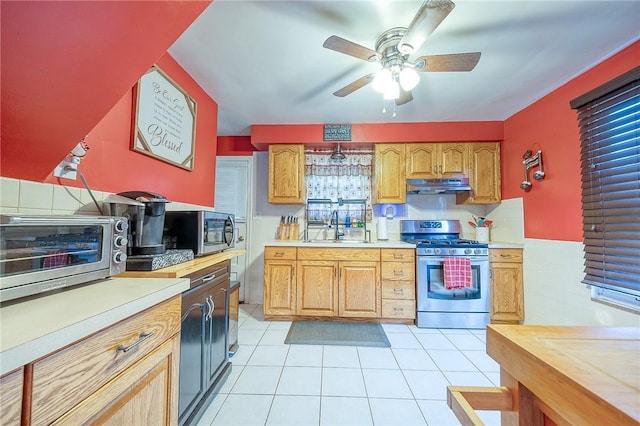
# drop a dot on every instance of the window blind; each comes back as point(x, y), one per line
point(609, 122)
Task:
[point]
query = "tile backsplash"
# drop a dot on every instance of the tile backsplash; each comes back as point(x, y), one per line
point(27, 197)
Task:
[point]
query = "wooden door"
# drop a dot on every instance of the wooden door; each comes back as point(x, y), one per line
point(484, 174)
point(279, 287)
point(507, 299)
point(144, 394)
point(359, 289)
point(452, 160)
point(286, 174)
point(422, 160)
point(317, 288)
point(389, 173)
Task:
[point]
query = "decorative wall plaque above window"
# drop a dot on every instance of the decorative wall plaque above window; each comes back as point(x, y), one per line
point(165, 119)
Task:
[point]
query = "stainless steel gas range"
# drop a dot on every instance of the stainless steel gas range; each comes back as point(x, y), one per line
point(452, 275)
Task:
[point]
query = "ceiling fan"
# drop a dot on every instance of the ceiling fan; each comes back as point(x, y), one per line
point(398, 75)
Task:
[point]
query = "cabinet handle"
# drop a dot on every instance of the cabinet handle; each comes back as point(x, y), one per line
point(398, 290)
point(208, 278)
point(279, 254)
point(398, 309)
point(211, 307)
point(398, 256)
point(143, 336)
point(440, 169)
point(397, 273)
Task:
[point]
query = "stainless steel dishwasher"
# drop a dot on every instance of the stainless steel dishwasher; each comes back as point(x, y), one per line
point(204, 360)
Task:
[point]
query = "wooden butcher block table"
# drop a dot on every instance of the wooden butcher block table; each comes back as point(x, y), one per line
point(570, 375)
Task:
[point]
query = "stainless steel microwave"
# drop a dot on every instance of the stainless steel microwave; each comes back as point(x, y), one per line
point(43, 253)
point(202, 231)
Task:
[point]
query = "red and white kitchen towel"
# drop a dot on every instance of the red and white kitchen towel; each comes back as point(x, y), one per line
point(457, 272)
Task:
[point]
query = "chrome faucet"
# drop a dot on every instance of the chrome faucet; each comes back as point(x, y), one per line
point(334, 220)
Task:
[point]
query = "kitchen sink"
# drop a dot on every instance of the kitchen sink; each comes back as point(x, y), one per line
point(337, 241)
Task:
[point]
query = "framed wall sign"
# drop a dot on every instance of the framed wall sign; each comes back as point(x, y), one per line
point(337, 132)
point(165, 120)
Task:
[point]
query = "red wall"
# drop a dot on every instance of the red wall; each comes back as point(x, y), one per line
point(112, 166)
point(312, 134)
point(235, 145)
point(552, 209)
point(65, 64)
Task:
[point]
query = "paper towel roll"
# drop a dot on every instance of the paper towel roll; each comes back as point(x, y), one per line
point(382, 228)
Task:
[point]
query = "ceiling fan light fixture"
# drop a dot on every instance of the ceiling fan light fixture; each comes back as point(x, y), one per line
point(382, 80)
point(409, 78)
point(392, 91)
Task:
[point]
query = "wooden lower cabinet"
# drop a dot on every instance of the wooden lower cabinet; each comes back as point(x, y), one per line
point(398, 284)
point(322, 282)
point(359, 290)
point(507, 287)
point(11, 397)
point(146, 393)
point(280, 281)
point(317, 288)
point(124, 374)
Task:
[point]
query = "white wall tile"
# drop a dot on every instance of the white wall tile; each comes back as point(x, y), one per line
point(35, 195)
point(9, 192)
point(66, 198)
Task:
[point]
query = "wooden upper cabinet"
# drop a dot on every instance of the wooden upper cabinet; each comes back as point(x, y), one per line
point(436, 160)
point(483, 160)
point(389, 173)
point(286, 174)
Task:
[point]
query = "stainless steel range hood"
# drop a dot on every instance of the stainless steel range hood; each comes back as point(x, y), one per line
point(437, 186)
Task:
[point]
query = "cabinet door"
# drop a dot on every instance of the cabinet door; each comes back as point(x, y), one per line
point(484, 174)
point(422, 161)
point(192, 361)
point(389, 174)
point(452, 160)
point(279, 287)
point(216, 325)
point(507, 299)
point(11, 398)
point(359, 290)
point(317, 288)
point(144, 394)
point(286, 174)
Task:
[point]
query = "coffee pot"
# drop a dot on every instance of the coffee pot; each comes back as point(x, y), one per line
point(145, 212)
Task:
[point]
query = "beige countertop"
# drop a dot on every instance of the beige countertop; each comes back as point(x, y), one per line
point(35, 327)
point(504, 244)
point(185, 268)
point(342, 243)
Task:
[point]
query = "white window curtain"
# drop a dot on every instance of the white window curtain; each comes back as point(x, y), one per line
point(349, 178)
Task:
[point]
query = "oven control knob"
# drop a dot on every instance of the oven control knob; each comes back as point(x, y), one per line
point(121, 225)
point(119, 257)
point(468, 251)
point(436, 251)
point(452, 251)
point(428, 251)
point(478, 251)
point(120, 241)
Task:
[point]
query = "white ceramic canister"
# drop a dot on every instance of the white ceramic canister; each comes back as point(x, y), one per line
point(482, 234)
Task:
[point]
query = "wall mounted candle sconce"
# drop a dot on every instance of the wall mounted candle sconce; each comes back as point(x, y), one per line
point(530, 161)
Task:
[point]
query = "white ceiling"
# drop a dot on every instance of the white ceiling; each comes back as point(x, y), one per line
point(263, 61)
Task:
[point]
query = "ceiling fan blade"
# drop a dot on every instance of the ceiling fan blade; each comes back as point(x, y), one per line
point(350, 48)
point(429, 16)
point(405, 96)
point(450, 62)
point(353, 86)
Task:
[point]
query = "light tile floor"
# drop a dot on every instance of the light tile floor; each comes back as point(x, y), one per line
point(276, 384)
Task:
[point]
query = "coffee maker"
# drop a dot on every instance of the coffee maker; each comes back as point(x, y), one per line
point(145, 212)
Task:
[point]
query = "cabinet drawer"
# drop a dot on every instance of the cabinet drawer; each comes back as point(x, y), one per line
point(398, 309)
point(280, 253)
point(398, 255)
point(398, 290)
point(398, 271)
point(63, 379)
point(338, 254)
point(505, 255)
point(11, 398)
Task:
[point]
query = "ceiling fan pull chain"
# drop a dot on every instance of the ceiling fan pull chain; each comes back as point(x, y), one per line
point(394, 110)
point(384, 106)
